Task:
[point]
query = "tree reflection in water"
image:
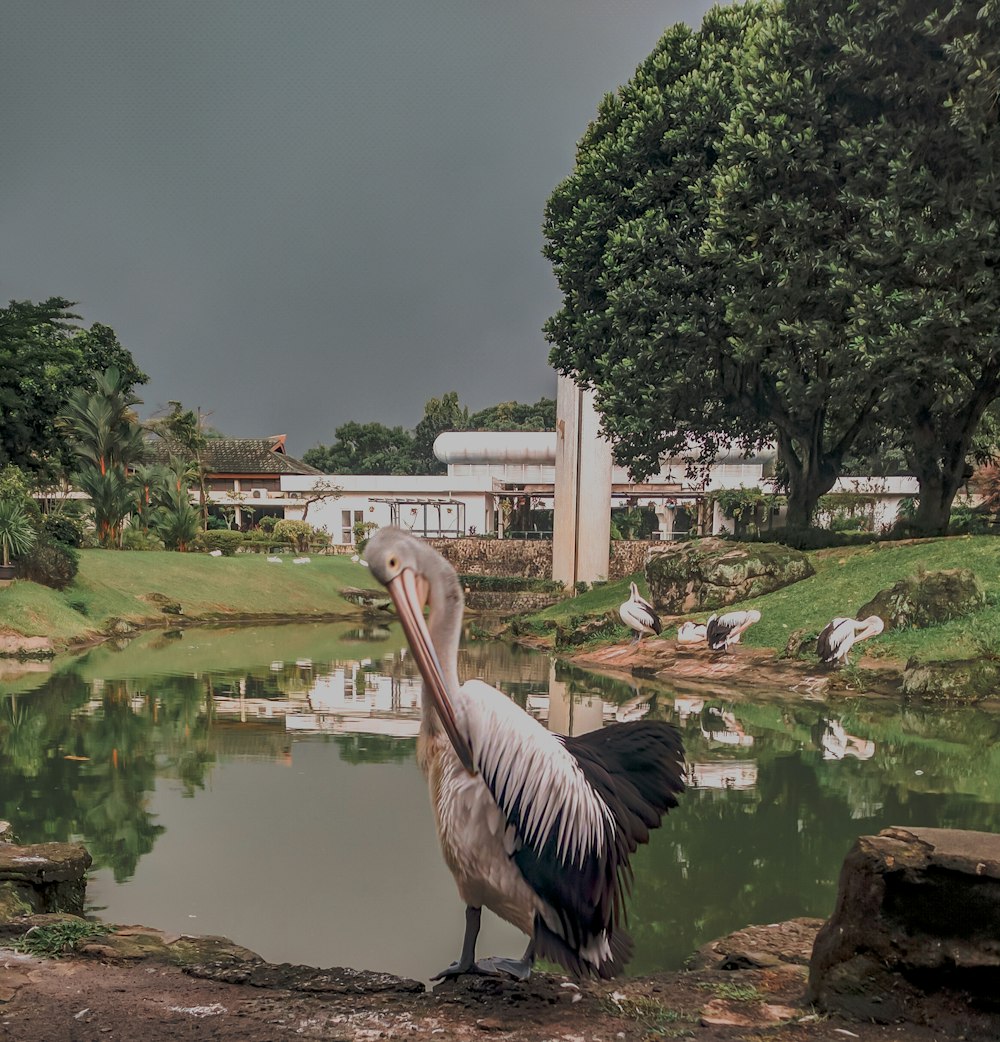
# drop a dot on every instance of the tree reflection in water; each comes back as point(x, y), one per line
point(779, 788)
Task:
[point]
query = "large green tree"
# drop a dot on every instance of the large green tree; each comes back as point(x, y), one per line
point(364, 448)
point(45, 355)
point(856, 211)
point(642, 314)
point(516, 416)
point(837, 284)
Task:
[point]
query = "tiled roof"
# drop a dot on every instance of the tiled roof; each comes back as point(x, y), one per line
point(243, 456)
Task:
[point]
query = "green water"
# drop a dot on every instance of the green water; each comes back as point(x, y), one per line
point(261, 783)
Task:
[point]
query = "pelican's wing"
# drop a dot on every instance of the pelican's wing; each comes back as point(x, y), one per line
point(830, 642)
point(642, 612)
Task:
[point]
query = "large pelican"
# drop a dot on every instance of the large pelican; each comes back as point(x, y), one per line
point(537, 828)
point(840, 635)
point(639, 615)
point(722, 631)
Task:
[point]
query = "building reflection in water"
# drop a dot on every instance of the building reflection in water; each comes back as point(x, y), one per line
point(253, 716)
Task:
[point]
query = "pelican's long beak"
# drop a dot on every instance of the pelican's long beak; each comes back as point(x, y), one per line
point(409, 594)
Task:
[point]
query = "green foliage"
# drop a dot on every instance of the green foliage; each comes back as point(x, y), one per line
point(297, 533)
point(44, 358)
point(63, 528)
point(785, 225)
point(49, 562)
point(105, 440)
point(173, 519)
point(134, 537)
point(515, 416)
point(735, 992)
point(373, 448)
point(17, 533)
point(267, 522)
point(222, 539)
point(52, 940)
point(652, 1016)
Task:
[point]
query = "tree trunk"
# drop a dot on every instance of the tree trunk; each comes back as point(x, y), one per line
point(940, 468)
point(810, 475)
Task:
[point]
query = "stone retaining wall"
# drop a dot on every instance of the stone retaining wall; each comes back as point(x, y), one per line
point(527, 558)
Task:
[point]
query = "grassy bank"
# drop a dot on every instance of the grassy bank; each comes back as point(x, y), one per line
point(116, 585)
point(845, 579)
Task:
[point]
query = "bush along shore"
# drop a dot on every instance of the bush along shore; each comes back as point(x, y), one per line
point(940, 599)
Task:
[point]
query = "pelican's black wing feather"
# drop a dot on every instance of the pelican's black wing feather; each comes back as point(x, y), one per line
point(637, 770)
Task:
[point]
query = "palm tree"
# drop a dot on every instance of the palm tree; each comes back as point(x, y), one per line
point(17, 534)
point(106, 440)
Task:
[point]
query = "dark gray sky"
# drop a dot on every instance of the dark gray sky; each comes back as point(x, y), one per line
point(296, 214)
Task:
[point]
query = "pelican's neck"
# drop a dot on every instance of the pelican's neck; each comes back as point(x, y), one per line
point(444, 624)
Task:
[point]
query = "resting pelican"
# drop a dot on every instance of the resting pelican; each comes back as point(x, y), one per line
point(639, 615)
point(840, 635)
point(535, 827)
point(723, 630)
point(691, 633)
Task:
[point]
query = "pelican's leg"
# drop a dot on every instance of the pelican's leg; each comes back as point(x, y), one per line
point(495, 967)
point(467, 959)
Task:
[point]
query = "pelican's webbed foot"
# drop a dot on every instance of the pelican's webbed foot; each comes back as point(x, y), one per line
point(520, 969)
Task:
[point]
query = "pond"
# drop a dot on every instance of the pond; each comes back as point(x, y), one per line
point(261, 783)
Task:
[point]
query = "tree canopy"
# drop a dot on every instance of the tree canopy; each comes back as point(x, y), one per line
point(785, 226)
point(45, 356)
point(373, 448)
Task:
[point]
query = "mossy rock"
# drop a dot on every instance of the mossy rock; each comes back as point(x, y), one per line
point(713, 573)
point(962, 682)
point(927, 599)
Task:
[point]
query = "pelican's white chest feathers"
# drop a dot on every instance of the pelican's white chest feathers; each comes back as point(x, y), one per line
point(525, 761)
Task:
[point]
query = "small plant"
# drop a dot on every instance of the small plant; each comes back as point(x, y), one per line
point(17, 534)
point(55, 939)
point(652, 1016)
point(81, 607)
point(735, 992)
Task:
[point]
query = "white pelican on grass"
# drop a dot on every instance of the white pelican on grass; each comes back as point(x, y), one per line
point(639, 615)
point(535, 827)
point(840, 635)
point(722, 631)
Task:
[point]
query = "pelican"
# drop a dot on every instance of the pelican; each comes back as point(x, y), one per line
point(639, 615)
point(535, 827)
point(840, 635)
point(723, 630)
point(691, 633)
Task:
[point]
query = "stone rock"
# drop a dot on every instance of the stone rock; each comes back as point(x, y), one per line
point(918, 911)
point(713, 573)
point(163, 602)
point(7, 832)
point(371, 600)
point(336, 980)
point(759, 947)
point(49, 877)
point(927, 599)
point(962, 682)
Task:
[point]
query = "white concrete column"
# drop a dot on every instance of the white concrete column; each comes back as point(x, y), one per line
point(582, 501)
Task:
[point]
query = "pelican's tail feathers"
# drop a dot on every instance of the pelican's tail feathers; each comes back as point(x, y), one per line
point(604, 956)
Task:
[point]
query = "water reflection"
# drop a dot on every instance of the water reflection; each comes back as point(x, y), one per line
point(234, 757)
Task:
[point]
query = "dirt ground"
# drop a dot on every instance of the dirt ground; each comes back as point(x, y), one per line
point(98, 997)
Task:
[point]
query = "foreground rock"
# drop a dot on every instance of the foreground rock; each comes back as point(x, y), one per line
point(916, 931)
point(44, 877)
point(712, 573)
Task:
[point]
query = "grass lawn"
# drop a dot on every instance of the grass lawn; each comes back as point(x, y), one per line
point(845, 579)
point(111, 584)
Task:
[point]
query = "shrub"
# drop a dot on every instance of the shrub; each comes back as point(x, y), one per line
point(63, 528)
point(49, 563)
point(222, 539)
point(134, 538)
point(267, 522)
point(298, 533)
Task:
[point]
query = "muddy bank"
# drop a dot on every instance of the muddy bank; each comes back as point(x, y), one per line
point(109, 991)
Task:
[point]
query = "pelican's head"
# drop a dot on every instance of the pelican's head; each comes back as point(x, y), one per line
point(633, 591)
point(872, 626)
point(416, 575)
point(753, 615)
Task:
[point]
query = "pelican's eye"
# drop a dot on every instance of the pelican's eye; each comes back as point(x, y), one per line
point(393, 563)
